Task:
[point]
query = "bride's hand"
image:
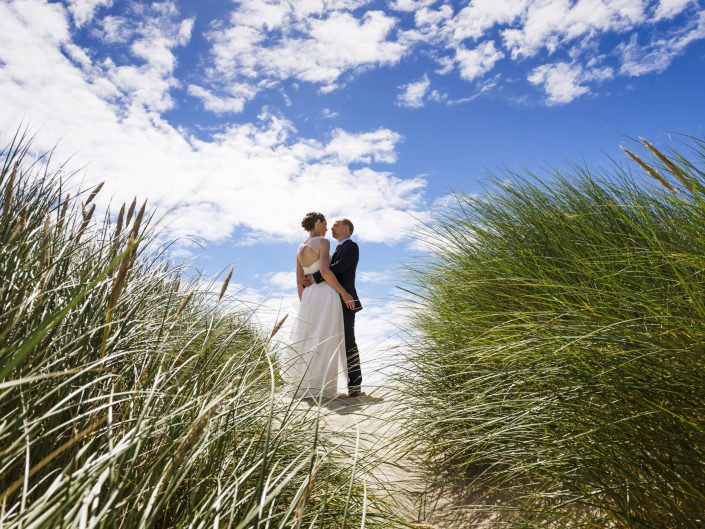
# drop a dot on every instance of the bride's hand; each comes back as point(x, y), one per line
point(348, 300)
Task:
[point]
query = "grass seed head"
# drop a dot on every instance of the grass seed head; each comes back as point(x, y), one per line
point(62, 214)
point(194, 435)
point(121, 276)
point(226, 282)
point(86, 221)
point(675, 170)
point(278, 326)
point(131, 211)
point(303, 501)
point(118, 227)
point(138, 220)
point(184, 303)
point(21, 224)
point(650, 170)
point(94, 193)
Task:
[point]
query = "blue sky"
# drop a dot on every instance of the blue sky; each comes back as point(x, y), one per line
point(237, 118)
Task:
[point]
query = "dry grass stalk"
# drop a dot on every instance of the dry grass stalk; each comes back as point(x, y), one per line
point(131, 211)
point(121, 276)
point(118, 227)
point(278, 326)
point(62, 214)
point(94, 193)
point(86, 220)
point(184, 303)
point(7, 202)
point(675, 170)
point(303, 501)
point(194, 435)
point(119, 282)
point(20, 225)
point(134, 233)
point(138, 221)
point(650, 170)
point(46, 229)
point(226, 282)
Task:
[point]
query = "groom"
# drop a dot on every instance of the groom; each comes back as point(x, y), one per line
point(343, 264)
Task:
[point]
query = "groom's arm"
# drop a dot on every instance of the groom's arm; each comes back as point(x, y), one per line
point(347, 257)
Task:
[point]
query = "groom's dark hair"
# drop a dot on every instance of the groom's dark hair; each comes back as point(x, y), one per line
point(348, 224)
point(310, 220)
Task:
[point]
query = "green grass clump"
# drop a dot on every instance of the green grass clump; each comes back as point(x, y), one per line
point(129, 398)
point(559, 377)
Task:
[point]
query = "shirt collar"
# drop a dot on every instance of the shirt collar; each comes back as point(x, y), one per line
point(340, 243)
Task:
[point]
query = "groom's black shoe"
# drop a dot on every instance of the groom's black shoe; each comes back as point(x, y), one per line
point(356, 393)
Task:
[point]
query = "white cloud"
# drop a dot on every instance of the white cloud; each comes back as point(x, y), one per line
point(114, 29)
point(218, 105)
point(411, 5)
point(477, 61)
point(209, 186)
point(413, 94)
point(564, 82)
point(671, 8)
point(426, 18)
point(561, 81)
point(532, 28)
point(83, 10)
point(481, 15)
point(326, 42)
point(282, 280)
point(185, 30)
point(150, 37)
point(375, 277)
point(278, 41)
point(431, 26)
point(546, 25)
point(654, 57)
point(378, 146)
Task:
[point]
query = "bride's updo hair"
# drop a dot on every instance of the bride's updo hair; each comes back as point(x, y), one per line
point(310, 220)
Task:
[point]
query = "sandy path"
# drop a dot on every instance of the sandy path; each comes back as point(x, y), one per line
point(378, 417)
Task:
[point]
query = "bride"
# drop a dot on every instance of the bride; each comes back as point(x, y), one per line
point(314, 364)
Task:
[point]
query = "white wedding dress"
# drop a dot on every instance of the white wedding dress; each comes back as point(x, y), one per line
point(314, 362)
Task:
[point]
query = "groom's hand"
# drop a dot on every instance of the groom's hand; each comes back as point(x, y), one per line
point(308, 280)
point(348, 300)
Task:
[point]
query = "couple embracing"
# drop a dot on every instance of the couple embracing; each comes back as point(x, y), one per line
point(322, 358)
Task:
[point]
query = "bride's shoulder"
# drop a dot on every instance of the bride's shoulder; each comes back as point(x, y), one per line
point(313, 242)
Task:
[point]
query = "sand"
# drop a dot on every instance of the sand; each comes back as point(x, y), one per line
point(370, 423)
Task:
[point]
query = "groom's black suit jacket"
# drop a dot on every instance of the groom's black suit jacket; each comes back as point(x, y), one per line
point(344, 264)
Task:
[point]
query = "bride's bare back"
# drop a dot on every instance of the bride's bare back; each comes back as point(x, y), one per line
point(309, 252)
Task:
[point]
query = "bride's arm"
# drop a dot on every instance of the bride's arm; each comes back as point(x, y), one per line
point(299, 278)
point(329, 276)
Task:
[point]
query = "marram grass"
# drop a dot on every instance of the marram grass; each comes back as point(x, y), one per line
point(559, 374)
point(130, 399)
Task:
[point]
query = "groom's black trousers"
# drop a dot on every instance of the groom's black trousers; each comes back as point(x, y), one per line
point(351, 352)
